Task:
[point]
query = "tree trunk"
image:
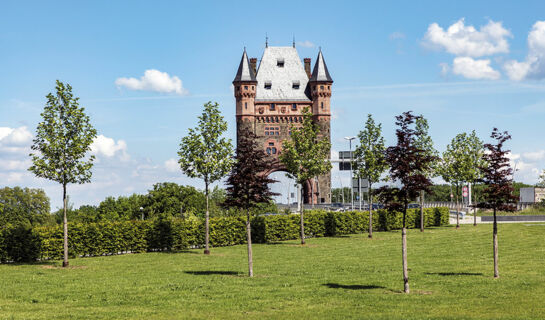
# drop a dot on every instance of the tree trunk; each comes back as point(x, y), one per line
point(206, 224)
point(404, 253)
point(249, 240)
point(421, 210)
point(370, 198)
point(457, 210)
point(495, 240)
point(302, 221)
point(312, 192)
point(65, 227)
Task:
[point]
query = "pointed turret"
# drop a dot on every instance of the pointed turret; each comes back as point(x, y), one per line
point(320, 72)
point(244, 73)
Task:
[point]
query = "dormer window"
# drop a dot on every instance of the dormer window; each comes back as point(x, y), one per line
point(280, 62)
point(295, 85)
point(268, 85)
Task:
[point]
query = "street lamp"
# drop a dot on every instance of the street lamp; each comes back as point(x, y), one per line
point(351, 181)
point(142, 212)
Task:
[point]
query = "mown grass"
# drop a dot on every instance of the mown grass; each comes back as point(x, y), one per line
point(329, 278)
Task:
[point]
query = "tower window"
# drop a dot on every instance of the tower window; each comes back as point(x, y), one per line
point(294, 107)
point(295, 84)
point(322, 87)
point(245, 105)
point(245, 87)
point(322, 106)
point(272, 131)
point(268, 85)
point(280, 63)
point(273, 150)
point(269, 151)
point(273, 107)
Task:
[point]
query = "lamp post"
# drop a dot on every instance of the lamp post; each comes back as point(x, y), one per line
point(142, 212)
point(351, 182)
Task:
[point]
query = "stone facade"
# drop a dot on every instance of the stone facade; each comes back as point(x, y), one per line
point(270, 101)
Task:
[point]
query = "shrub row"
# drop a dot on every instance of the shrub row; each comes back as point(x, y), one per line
point(21, 244)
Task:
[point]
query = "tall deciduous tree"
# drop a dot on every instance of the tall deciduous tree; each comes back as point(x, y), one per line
point(305, 156)
point(424, 142)
point(206, 154)
point(63, 138)
point(248, 184)
point(497, 176)
point(369, 159)
point(461, 163)
point(407, 163)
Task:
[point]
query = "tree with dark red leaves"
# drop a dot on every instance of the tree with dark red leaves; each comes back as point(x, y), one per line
point(408, 163)
point(248, 186)
point(497, 176)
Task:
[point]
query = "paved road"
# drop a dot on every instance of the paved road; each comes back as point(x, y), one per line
point(468, 219)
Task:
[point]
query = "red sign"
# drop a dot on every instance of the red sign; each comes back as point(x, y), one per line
point(464, 191)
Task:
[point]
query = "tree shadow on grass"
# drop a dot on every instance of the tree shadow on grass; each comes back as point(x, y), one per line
point(446, 274)
point(352, 286)
point(213, 272)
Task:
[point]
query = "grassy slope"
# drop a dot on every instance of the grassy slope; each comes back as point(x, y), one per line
point(346, 277)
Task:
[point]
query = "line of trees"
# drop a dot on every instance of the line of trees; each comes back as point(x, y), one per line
point(64, 136)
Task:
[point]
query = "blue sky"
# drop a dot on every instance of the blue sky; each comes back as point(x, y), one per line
point(385, 58)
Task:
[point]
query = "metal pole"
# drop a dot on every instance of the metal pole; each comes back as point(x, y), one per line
point(351, 179)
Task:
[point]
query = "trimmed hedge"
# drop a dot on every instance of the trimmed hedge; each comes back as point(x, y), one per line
point(25, 244)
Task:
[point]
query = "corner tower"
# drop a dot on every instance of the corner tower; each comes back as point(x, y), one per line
point(270, 101)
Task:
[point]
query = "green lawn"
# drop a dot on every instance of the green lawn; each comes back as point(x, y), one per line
point(329, 278)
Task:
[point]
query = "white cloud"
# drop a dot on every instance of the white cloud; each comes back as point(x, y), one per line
point(445, 68)
point(306, 44)
point(462, 40)
point(171, 165)
point(534, 65)
point(396, 35)
point(107, 147)
point(154, 80)
point(16, 136)
point(474, 69)
point(534, 156)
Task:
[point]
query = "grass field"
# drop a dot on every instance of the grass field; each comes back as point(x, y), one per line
point(329, 278)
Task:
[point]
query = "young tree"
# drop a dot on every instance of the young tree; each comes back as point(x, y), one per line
point(461, 163)
point(424, 142)
point(541, 182)
point(206, 154)
point(407, 163)
point(497, 176)
point(248, 185)
point(62, 141)
point(369, 159)
point(305, 156)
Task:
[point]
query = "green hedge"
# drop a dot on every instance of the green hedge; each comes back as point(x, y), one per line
point(23, 244)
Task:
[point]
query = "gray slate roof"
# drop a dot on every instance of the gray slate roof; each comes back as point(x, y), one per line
point(244, 73)
point(281, 79)
point(320, 72)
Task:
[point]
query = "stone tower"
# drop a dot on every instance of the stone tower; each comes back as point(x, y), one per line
point(271, 97)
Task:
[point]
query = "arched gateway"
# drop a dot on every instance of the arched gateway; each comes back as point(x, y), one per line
point(270, 99)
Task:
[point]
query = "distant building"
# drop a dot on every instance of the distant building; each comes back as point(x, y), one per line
point(270, 99)
point(532, 195)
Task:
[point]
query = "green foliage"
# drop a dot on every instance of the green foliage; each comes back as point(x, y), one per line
point(24, 206)
point(63, 139)
point(370, 161)
point(463, 159)
point(20, 243)
point(305, 155)
point(424, 142)
point(204, 153)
